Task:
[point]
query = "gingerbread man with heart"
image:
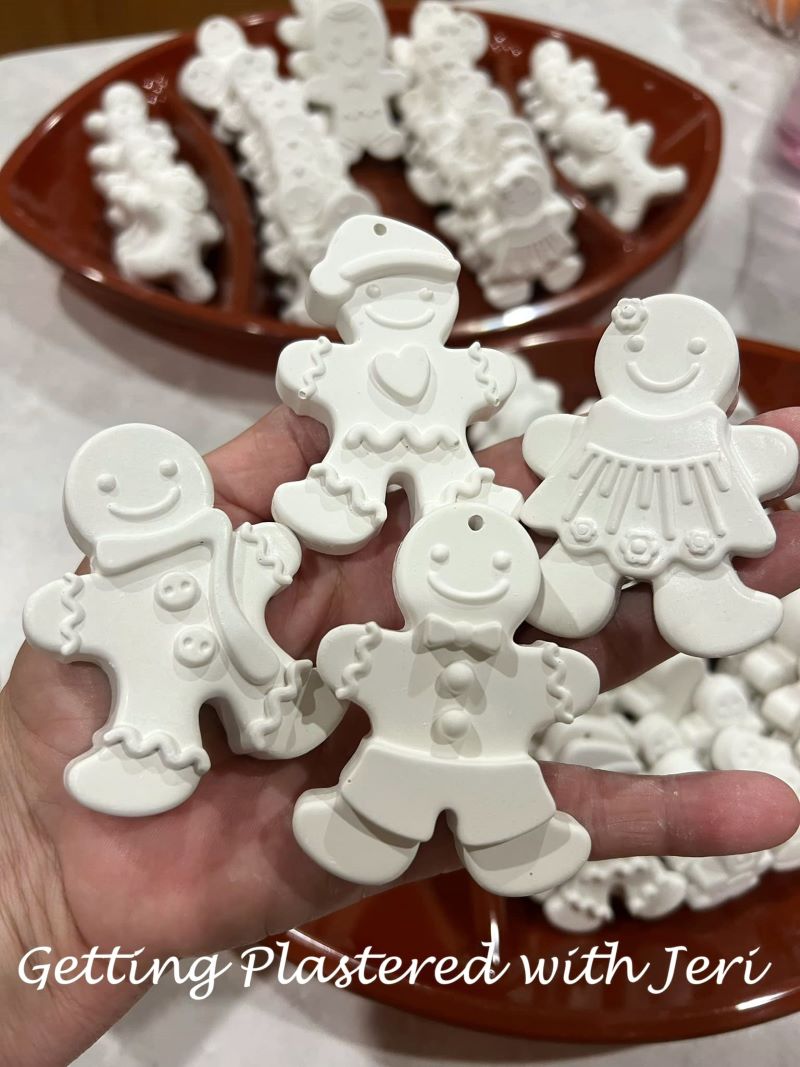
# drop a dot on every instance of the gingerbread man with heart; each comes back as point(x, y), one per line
point(395, 400)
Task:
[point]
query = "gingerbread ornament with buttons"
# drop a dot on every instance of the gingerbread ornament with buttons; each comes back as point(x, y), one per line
point(655, 484)
point(173, 610)
point(453, 703)
point(395, 400)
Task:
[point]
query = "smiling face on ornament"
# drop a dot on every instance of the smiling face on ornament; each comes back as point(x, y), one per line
point(667, 354)
point(404, 308)
point(466, 561)
point(133, 478)
point(351, 36)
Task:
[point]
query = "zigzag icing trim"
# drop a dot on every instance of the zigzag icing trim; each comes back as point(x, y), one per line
point(353, 674)
point(556, 674)
point(316, 370)
point(470, 487)
point(414, 437)
point(294, 679)
point(264, 553)
point(68, 628)
point(374, 510)
point(174, 757)
point(491, 390)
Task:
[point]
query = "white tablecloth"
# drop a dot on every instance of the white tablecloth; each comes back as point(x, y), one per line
point(69, 368)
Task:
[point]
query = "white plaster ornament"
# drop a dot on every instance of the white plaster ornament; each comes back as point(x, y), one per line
point(454, 704)
point(656, 485)
point(346, 70)
point(158, 206)
point(173, 610)
point(395, 400)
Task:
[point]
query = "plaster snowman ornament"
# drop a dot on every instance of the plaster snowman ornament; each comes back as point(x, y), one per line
point(395, 400)
point(173, 611)
point(348, 73)
point(454, 704)
point(603, 152)
point(656, 485)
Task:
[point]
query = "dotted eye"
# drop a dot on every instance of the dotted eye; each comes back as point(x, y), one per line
point(106, 483)
point(697, 346)
point(501, 561)
point(636, 344)
point(168, 468)
point(426, 295)
point(440, 553)
point(373, 290)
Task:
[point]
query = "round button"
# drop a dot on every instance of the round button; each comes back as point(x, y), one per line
point(195, 646)
point(456, 678)
point(177, 591)
point(453, 723)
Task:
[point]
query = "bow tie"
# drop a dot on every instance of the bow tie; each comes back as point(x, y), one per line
point(437, 632)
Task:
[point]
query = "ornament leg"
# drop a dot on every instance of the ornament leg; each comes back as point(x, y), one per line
point(577, 595)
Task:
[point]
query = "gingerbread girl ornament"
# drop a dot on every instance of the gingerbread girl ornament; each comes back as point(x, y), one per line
point(454, 703)
point(655, 484)
point(173, 610)
point(395, 400)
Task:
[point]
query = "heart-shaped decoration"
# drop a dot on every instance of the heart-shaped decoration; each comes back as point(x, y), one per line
point(403, 375)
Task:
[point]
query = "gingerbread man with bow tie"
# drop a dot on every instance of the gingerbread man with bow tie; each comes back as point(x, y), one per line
point(395, 400)
point(454, 704)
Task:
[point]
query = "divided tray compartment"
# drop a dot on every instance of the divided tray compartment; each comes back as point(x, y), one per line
point(451, 916)
point(47, 197)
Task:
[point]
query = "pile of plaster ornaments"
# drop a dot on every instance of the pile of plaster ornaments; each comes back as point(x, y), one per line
point(653, 484)
point(352, 89)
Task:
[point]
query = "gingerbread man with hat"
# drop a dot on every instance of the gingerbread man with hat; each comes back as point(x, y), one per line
point(395, 400)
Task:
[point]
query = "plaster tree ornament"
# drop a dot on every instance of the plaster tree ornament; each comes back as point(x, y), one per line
point(395, 400)
point(173, 610)
point(298, 172)
point(532, 398)
point(656, 485)
point(454, 704)
point(157, 205)
point(603, 153)
point(346, 71)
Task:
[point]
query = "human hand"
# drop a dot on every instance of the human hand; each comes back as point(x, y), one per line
point(223, 869)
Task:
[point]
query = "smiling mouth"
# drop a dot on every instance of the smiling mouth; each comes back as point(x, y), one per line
point(400, 324)
point(148, 511)
point(672, 386)
point(461, 596)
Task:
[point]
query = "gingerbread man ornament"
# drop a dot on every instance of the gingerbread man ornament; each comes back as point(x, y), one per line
point(655, 484)
point(454, 703)
point(173, 610)
point(395, 400)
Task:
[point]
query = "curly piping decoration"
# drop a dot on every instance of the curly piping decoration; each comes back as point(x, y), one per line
point(556, 672)
point(175, 757)
point(353, 674)
point(265, 554)
point(73, 587)
point(374, 510)
point(490, 388)
point(316, 370)
point(471, 486)
point(294, 679)
point(414, 437)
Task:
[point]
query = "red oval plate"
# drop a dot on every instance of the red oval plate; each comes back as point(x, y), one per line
point(451, 916)
point(46, 195)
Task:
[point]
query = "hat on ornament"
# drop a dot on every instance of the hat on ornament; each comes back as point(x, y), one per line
point(367, 248)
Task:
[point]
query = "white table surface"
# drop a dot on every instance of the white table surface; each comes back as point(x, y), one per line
point(69, 368)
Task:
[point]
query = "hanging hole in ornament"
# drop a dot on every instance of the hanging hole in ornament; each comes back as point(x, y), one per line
point(475, 522)
point(379, 229)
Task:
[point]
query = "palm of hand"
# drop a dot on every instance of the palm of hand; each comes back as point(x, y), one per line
point(224, 869)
